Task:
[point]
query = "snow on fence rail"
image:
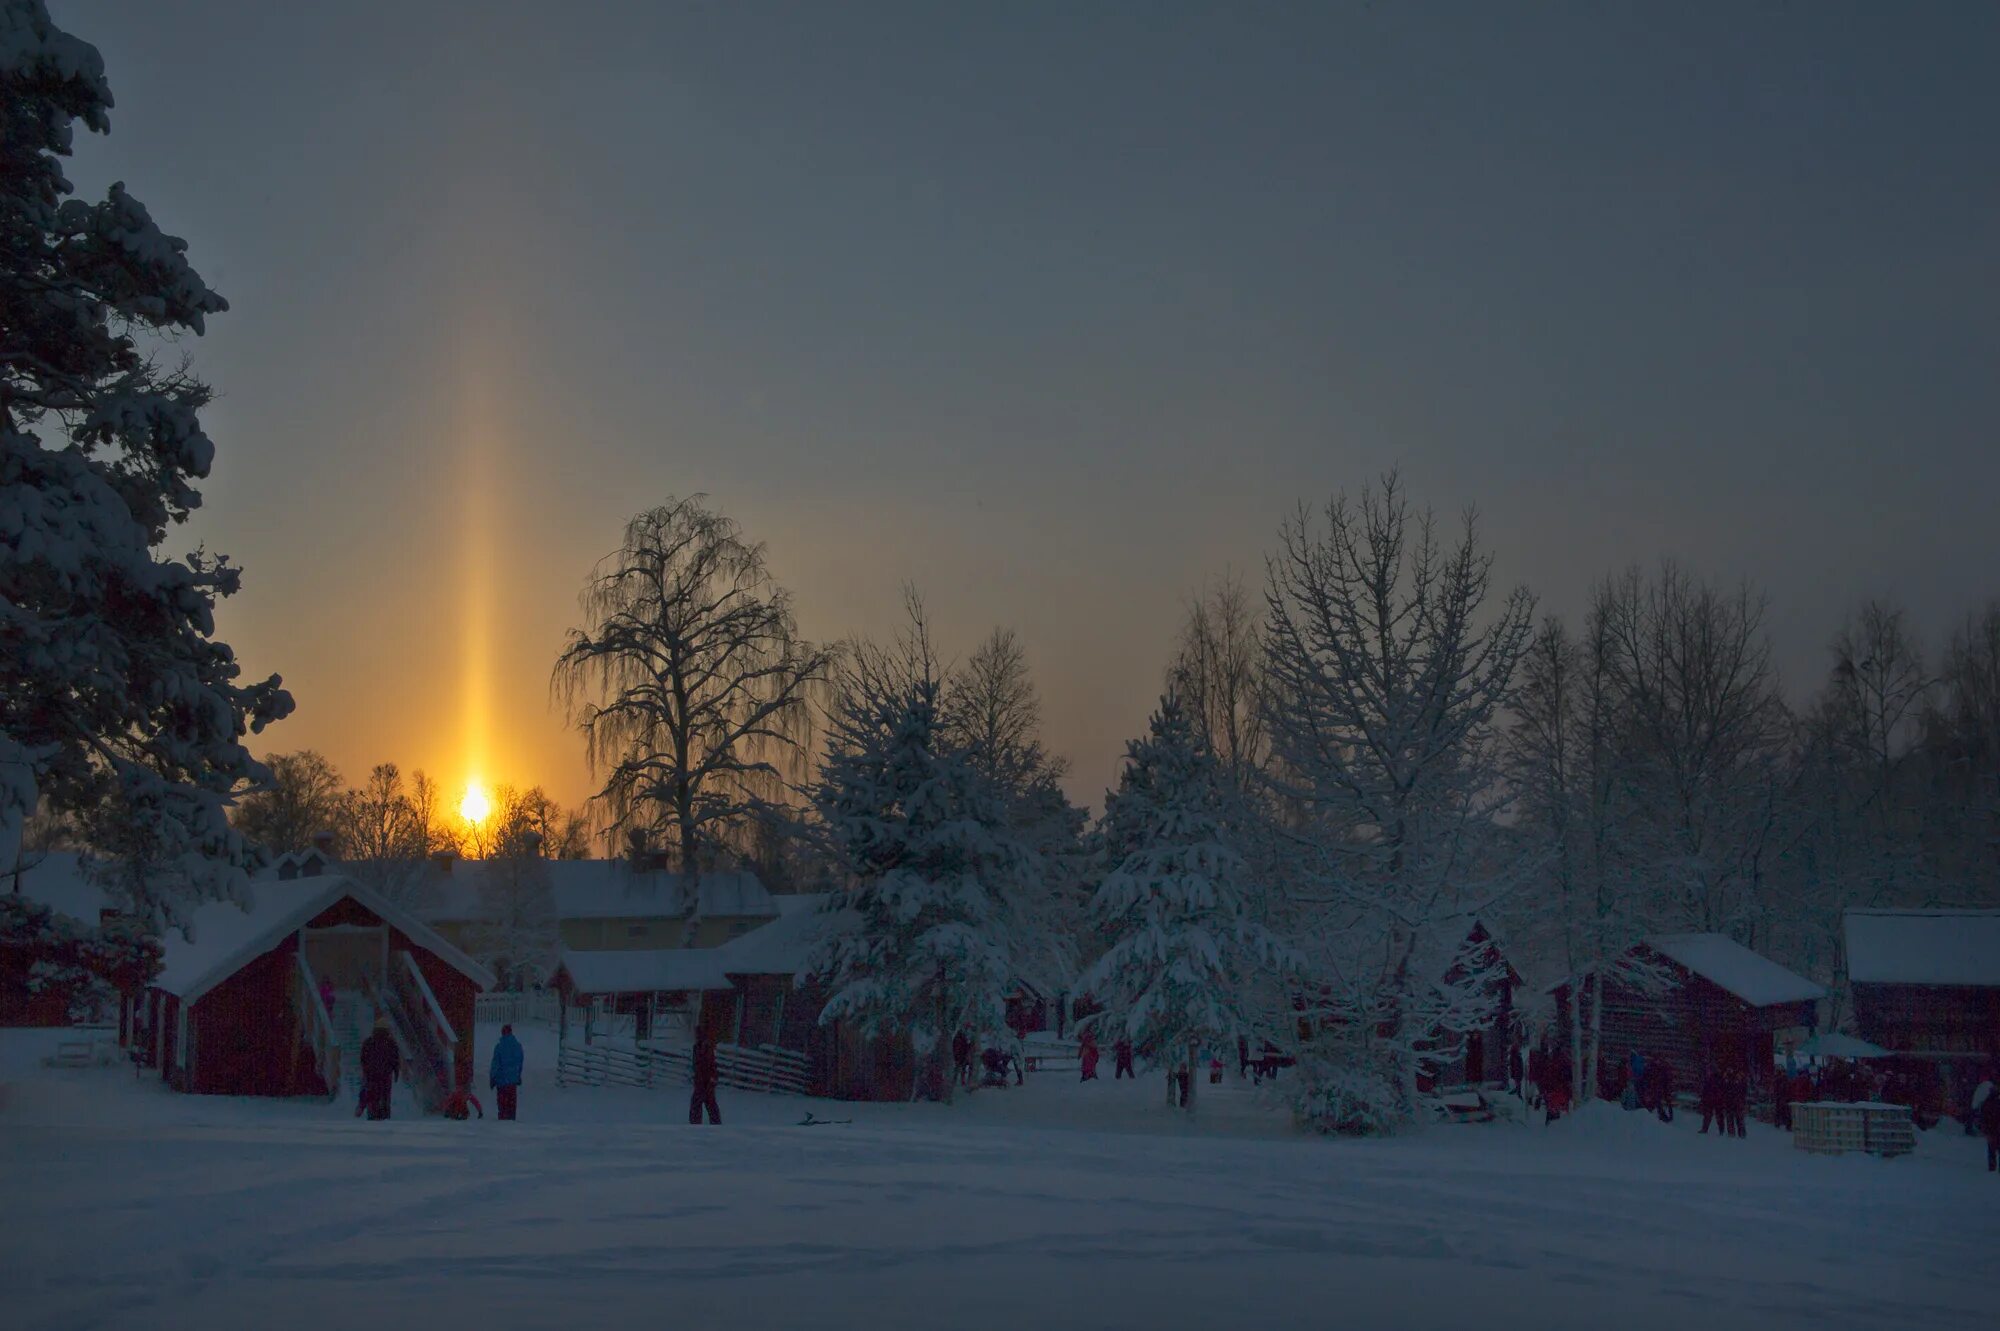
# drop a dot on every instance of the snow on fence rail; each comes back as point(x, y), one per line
point(764, 1068)
point(526, 1009)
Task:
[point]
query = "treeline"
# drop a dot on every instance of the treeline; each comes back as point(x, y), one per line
point(387, 819)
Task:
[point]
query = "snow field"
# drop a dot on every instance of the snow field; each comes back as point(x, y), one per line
point(1050, 1205)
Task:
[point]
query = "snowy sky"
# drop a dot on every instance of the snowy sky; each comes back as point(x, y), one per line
point(1054, 313)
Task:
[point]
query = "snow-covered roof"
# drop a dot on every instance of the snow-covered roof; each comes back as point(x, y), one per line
point(785, 946)
point(1449, 943)
point(645, 971)
point(601, 890)
point(224, 937)
point(1942, 947)
point(1726, 963)
point(58, 880)
point(1832, 1044)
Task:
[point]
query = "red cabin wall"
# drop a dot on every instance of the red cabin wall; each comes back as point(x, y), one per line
point(244, 1032)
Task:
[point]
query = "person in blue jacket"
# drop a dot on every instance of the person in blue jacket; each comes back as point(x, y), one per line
point(505, 1074)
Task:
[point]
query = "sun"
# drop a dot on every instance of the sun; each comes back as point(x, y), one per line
point(475, 806)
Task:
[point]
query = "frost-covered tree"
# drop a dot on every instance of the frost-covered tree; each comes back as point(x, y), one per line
point(1186, 960)
point(932, 862)
point(1386, 666)
point(1217, 669)
point(1706, 739)
point(302, 800)
point(516, 933)
point(383, 838)
point(1583, 841)
point(992, 716)
point(691, 684)
point(112, 682)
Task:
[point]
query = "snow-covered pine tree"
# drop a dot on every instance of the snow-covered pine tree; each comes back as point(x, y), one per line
point(112, 683)
point(992, 715)
point(1185, 954)
point(931, 863)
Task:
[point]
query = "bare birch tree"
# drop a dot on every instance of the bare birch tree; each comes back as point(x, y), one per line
point(1706, 734)
point(1216, 673)
point(691, 684)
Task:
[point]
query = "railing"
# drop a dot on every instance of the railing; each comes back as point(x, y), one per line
point(318, 1026)
point(415, 992)
point(418, 1026)
point(523, 1009)
point(766, 1068)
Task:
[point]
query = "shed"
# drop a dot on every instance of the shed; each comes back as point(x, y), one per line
point(653, 988)
point(236, 1008)
point(1927, 982)
point(1926, 987)
point(1696, 998)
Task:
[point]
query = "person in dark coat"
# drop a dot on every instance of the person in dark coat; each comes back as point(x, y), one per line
point(1087, 1055)
point(1555, 1085)
point(961, 1058)
point(705, 1078)
point(1121, 1059)
point(504, 1074)
point(1781, 1102)
point(1662, 1073)
point(381, 1061)
point(1986, 1101)
point(1515, 1072)
point(1712, 1099)
point(1736, 1101)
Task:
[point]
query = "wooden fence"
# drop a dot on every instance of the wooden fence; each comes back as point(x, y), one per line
point(765, 1068)
point(522, 1009)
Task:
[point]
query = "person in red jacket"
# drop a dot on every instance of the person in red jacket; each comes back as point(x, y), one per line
point(705, 1077)
point(1086, 1048)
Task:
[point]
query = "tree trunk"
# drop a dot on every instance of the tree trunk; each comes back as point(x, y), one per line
point(942, 1048)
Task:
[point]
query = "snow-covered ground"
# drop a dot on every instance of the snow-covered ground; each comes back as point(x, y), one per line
point(1050, 1205)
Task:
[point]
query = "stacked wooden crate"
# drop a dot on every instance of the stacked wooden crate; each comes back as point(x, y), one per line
point(1832, 1128)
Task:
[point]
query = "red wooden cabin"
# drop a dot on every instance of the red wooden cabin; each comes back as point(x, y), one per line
point(1707, 1001)
point(238, 1009)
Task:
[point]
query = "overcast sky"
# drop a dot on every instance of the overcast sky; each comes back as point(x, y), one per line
point(1055, 311)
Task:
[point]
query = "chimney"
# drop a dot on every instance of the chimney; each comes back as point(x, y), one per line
point(635, 846)
point(323, 842)
point(533, 841)
point(444, 859)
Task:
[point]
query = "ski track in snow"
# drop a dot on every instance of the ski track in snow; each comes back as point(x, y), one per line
point(132, 1207)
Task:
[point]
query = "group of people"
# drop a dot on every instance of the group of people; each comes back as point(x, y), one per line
point(382, 1063)
point(1088, 1054)
point(1725, 1098)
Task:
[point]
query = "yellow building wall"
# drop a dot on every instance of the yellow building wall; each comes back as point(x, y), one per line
point(645, 933)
